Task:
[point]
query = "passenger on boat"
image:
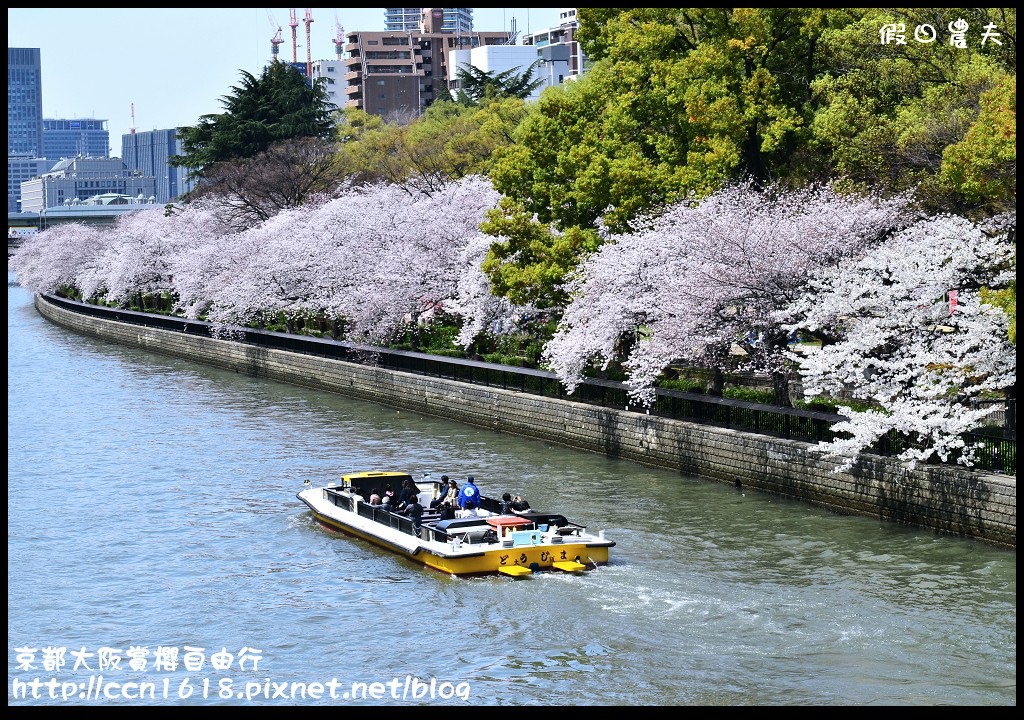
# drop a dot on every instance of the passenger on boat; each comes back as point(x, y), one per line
point(469, 493)
point(408, 489)
point(469, 511)
point(510, 505)
point(451, 497)
point(442, 492)
point(388, 499)
point(519, 505)
point(415, 512)
point(374, 499)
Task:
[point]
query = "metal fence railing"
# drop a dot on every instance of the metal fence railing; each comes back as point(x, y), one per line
point(997, 451)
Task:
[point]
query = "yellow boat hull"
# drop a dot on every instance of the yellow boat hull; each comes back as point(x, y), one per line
point(565, 556)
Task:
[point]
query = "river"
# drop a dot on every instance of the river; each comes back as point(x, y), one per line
point(152, 520)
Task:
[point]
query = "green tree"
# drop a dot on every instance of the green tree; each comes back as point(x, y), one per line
point(448, 142)
point(889, 112)
point(278, 105)
point(476, 85)
point(677, 102)
point(680, 101)
point(982, 167)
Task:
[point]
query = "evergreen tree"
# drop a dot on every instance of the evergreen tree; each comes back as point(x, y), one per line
point(278, 105)
point(476, 85)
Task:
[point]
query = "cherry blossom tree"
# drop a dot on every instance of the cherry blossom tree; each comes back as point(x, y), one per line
point(52, 260)
point(478, 307)
point(275, 267)
point(377, 257)
point(413, 250)
point(134, 260)
point(906, 342)
point(704, 277)
point(207, 249)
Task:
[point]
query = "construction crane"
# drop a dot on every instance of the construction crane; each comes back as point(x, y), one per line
point(295, 38)
point(309, 50)
point(339, 38)
point(276, 40)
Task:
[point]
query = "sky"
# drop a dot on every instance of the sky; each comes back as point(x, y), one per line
point(175, 65)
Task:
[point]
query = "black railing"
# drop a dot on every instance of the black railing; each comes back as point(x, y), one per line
point(998, 450)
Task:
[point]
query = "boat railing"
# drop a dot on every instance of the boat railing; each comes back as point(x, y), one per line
point(469, 531)
point(337, 499)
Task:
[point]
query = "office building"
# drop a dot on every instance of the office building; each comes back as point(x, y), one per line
point(333, 74)
point(84, 137)
point(75, 180)
point(24, 102)
point(148, 153)
point(24, 118)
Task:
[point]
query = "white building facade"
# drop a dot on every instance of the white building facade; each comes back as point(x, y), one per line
point(78, 179)
point(563, 38)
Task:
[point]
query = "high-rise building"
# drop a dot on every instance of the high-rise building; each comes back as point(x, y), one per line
point(148, 154)
point(83, 137)
point(24, 102)
point(449, 20)
point(24, 119)
point(402, 19)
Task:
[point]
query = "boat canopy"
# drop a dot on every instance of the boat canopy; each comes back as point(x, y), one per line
point(366, 484)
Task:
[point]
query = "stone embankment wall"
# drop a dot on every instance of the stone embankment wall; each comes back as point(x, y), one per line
point(948, 500)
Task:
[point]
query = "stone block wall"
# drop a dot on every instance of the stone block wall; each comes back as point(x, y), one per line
point(945, 499)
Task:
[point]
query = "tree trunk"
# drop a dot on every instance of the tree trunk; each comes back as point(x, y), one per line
point(717, 383)
point(780, 384)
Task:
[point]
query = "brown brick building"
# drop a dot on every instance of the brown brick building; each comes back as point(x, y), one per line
point(398, 74)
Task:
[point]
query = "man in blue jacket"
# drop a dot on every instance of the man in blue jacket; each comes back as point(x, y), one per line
point(469, 493)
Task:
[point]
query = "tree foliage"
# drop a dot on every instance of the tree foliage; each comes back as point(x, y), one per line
point(286, 175)
point(260, 111)
point(982, 167)
point(449, 142)
point(477, 86)
point(888, 112)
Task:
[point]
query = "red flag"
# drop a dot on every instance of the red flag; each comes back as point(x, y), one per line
point(952, 302)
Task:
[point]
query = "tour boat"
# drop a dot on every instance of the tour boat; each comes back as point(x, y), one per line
point(512, 544)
